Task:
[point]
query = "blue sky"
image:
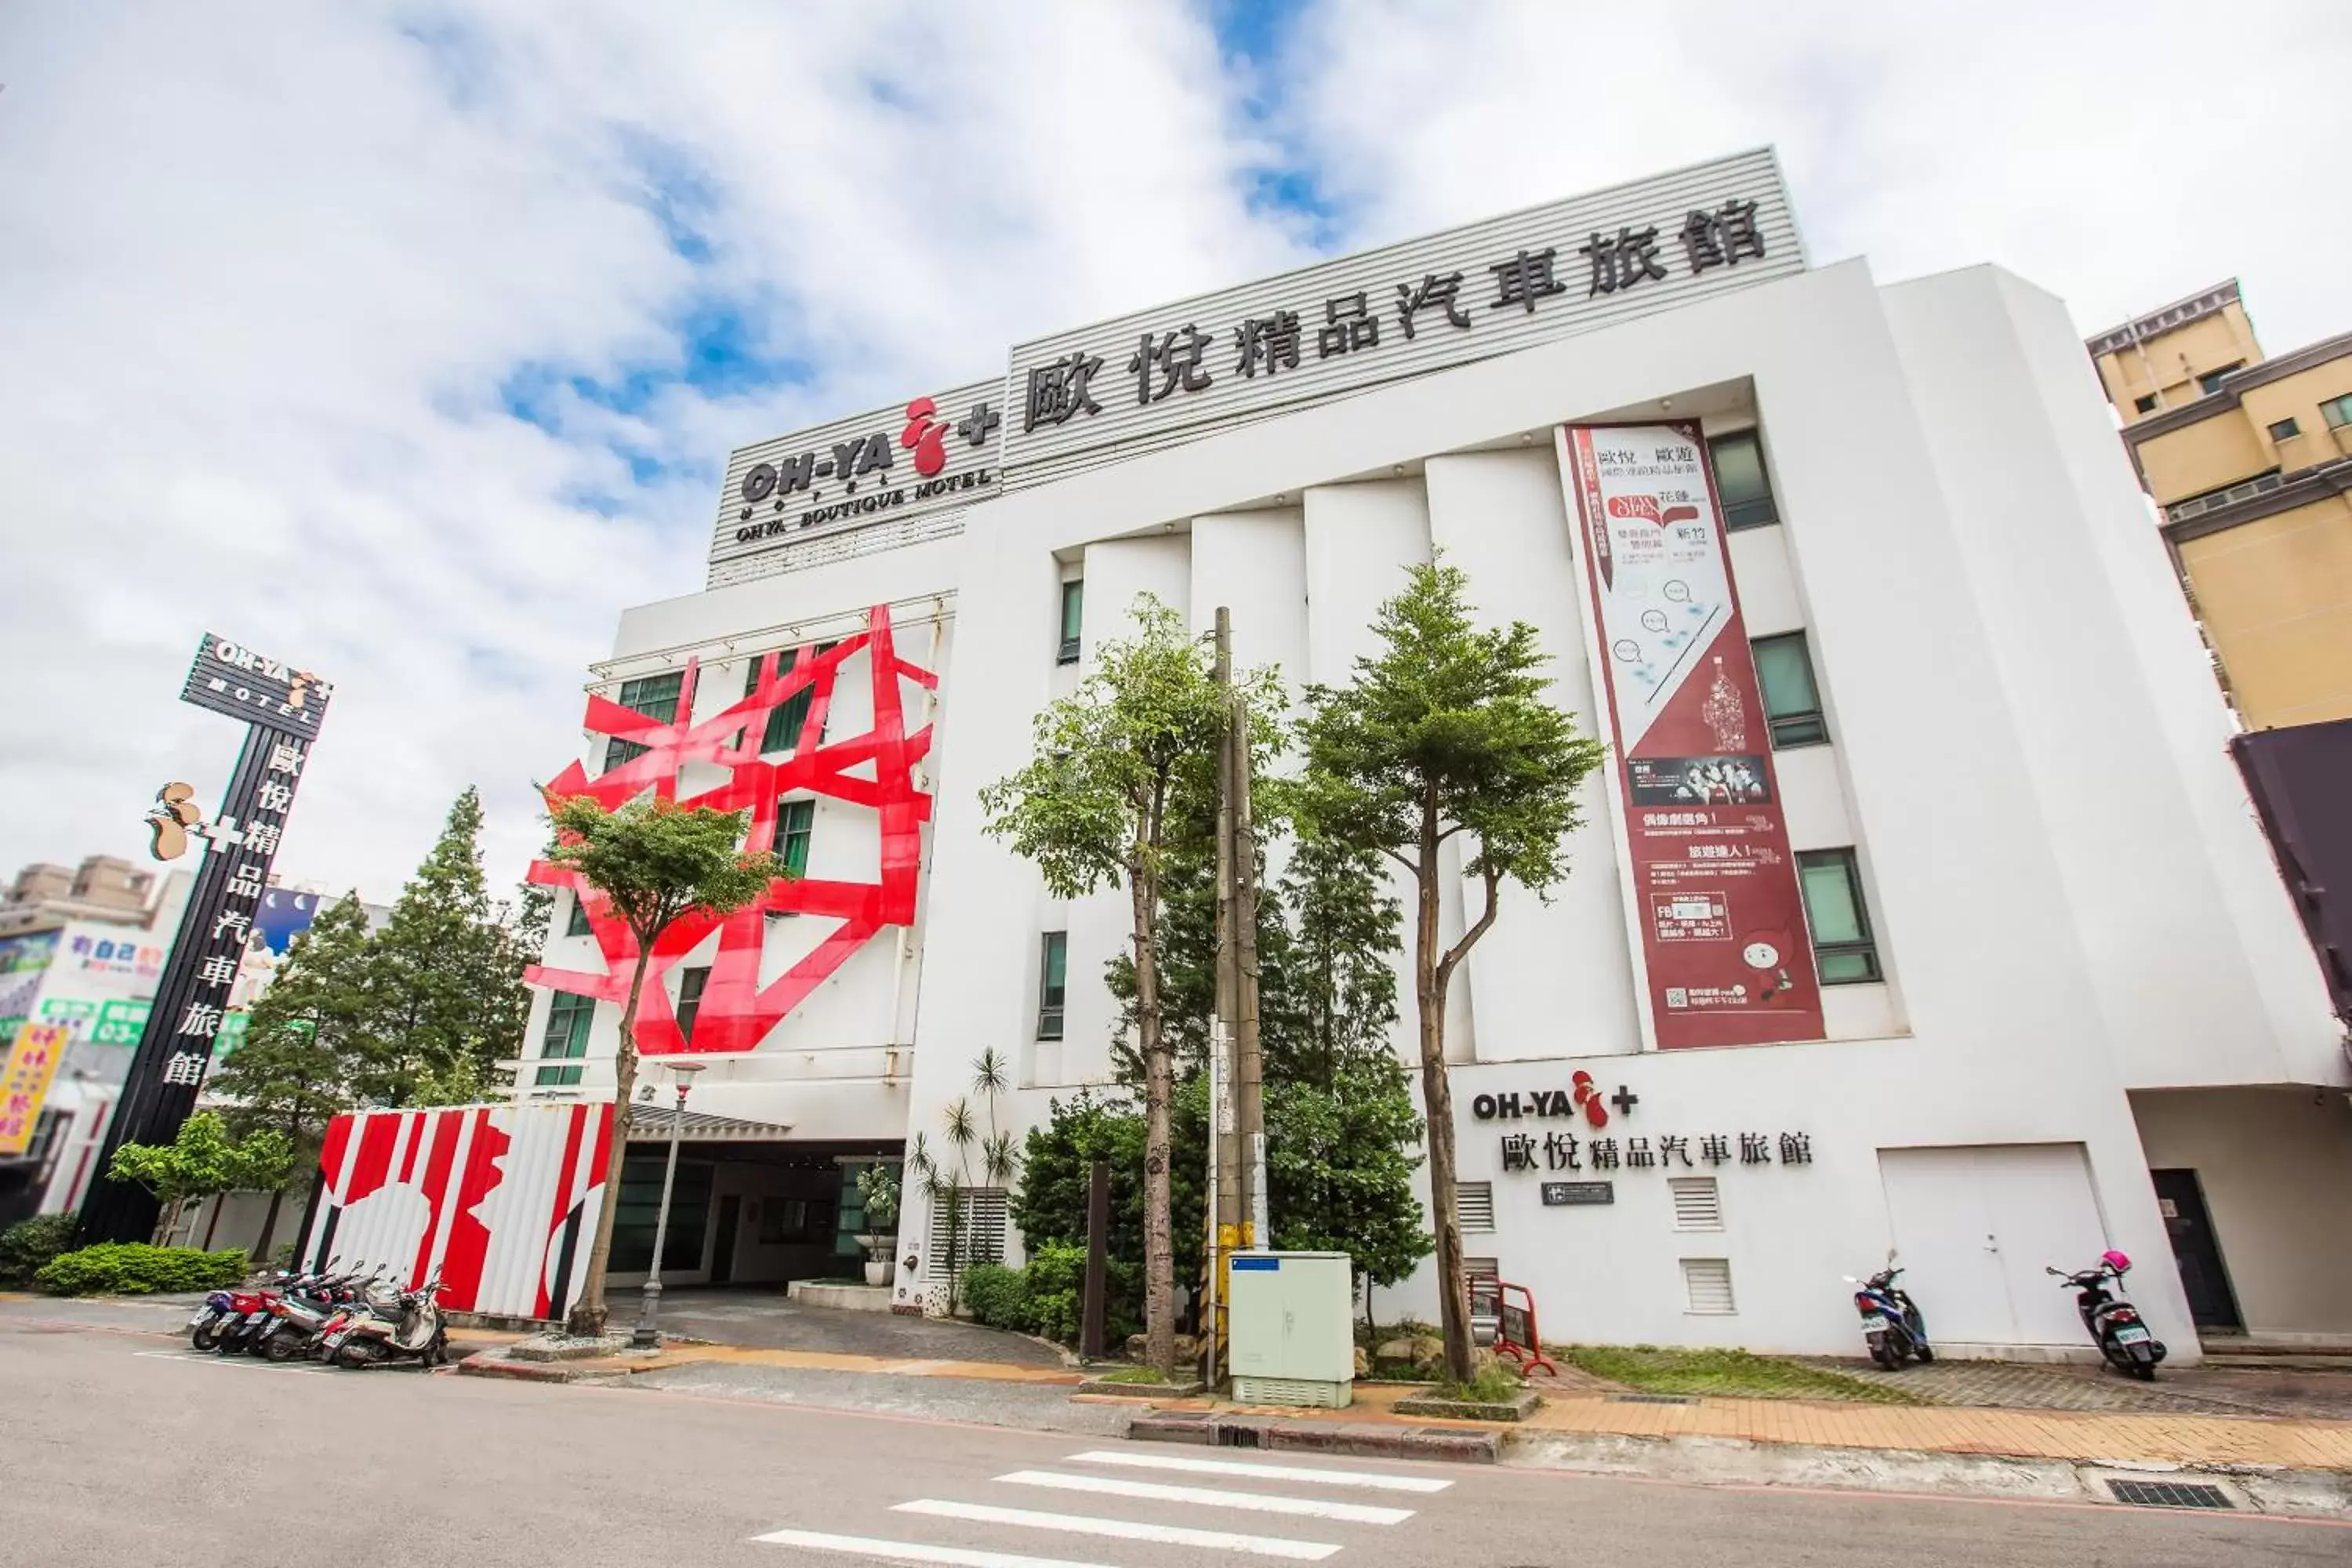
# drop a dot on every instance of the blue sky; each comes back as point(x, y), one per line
point(405, 338)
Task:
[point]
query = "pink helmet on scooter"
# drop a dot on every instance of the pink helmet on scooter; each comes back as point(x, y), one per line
point(2116, 1260)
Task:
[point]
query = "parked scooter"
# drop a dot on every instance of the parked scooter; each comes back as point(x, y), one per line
point(406, 1327)
point(2113, 1323)
point(219, 1311)
point(246, 1315)
point(1892, 1323)
point(300, 1314)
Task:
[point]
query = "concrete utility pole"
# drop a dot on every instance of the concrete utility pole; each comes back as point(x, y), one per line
point(1248, 1061)
point(1227, 1195)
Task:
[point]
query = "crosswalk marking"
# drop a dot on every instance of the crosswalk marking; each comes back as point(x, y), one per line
point(1208, 1497)
point(1366, 1478)
point(913, 1551)
point(1126, 1529)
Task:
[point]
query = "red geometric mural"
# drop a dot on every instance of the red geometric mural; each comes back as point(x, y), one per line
point(736, 1012)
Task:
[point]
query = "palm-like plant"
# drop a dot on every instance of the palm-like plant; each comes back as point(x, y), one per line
point(945, 1185)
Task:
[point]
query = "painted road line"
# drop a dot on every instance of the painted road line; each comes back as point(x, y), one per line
point(1126, 1529)
point(1185, 1462)
point(912, 1550)
point(213, 1358)
point(1207, 1496)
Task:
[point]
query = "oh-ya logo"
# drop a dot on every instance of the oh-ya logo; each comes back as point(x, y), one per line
point(924, 434)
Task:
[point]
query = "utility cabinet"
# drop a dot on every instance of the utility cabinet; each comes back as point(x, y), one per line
point(1293, 1328)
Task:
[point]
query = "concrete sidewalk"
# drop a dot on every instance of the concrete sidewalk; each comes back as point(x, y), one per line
point(2077, 1436)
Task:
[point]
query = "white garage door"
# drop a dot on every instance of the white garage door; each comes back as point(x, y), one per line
point(1976, 1227)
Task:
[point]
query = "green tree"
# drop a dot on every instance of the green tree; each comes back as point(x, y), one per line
point(200, 1161)
point(445, 976)
point(1093, 806)
point(1341, 1128)
point(655, 862)
point(1446, 732)
point(306, 1043)
point(1056, 1172)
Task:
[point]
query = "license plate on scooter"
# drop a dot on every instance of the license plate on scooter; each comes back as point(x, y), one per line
point(2131, 1335)
point(198, 1320)
point(1873, 1325)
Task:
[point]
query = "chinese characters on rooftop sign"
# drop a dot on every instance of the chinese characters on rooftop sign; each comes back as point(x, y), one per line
point(1172, 374)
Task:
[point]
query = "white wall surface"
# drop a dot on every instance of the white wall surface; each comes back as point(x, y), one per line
point(1559, 971)
point(2134, 823)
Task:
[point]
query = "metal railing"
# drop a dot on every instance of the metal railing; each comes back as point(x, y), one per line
point(2181, 512)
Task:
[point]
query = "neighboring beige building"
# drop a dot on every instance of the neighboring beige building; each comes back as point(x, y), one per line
point(2250, 460)
point(104, 888)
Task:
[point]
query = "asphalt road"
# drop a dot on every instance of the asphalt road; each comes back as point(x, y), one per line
point(122, 1450)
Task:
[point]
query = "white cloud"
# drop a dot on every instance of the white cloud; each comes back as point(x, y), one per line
point(2120, 155)
point(264, 272)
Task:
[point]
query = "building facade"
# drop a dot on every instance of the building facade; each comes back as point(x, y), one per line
point(2250, 460)
point(1920, 906)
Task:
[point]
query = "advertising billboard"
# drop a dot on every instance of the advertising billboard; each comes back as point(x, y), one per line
point(1724, 945)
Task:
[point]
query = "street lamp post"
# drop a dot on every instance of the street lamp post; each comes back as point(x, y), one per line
point(647, 1336)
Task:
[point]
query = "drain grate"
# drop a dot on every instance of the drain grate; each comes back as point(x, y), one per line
point(2170, 1494)
point(1653, 1399)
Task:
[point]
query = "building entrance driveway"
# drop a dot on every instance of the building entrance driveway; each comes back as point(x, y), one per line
point(763, 1317)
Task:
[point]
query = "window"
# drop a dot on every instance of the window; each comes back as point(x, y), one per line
point(2285, 430)
point(639, 1209)
point(790, 717)
point(655, 697)
point(1474, 1205)
point(2338, 412)
point(1707, 1286)
point(1074, 609)
point(1698, 1202)
point(690, 983)
point(1784, 671)
point(1843, 948)
point(2145, 403)
point(2210, 382)
point(795, 822)
point(578, 924)
point(569, 1018)
point(1741, 482)
point(979, 1213)
point(1053, 983)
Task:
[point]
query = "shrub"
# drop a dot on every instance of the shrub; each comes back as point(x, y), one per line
point(26, 1246)
point(135, 1268)
point(998, 1297)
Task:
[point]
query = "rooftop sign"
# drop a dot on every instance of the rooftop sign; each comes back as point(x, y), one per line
point(1170, 375)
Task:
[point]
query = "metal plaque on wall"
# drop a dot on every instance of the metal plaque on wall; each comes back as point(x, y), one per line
point(1562, 1195)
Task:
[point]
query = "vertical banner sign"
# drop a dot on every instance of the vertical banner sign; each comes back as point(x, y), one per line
point(282, 708)
point(24, 1083)
point(1724, 945)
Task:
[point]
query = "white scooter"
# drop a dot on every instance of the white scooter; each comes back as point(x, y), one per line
point(407, 1326)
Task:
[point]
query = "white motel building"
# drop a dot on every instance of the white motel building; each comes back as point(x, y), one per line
point(1919, 906)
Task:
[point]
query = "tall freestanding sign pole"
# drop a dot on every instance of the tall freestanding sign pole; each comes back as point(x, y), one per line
point(282, 708)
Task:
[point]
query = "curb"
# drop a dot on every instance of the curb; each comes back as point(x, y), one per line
point(1205, 1430)
point(491, 1364)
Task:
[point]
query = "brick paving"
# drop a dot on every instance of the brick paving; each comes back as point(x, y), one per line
point(2032, 1385)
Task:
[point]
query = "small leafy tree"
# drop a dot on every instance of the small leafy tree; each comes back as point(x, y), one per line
point(1446, 732)
point(877, 1195)
point(200, 1161)
point(1095, 806)
point(655, 862)
point(306, 1046)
